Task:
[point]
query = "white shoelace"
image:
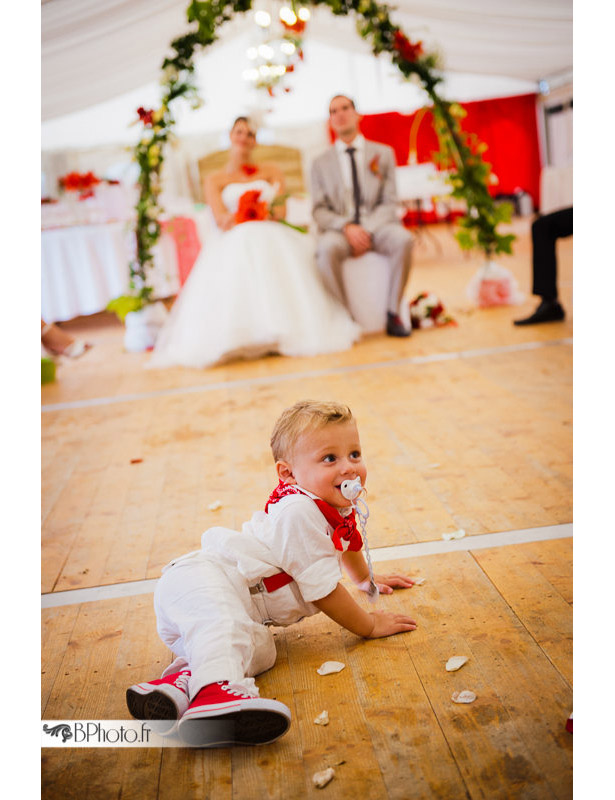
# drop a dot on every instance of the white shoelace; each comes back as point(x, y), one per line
point(239, 691)
point(182, 681)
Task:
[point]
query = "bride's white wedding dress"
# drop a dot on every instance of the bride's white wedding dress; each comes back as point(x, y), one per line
point(254, 289)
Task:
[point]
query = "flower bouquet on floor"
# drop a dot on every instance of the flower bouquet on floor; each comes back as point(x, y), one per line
point(427, 311)
point(494, 285)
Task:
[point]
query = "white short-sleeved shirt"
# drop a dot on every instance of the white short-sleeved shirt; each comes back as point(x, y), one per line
point(293, 536)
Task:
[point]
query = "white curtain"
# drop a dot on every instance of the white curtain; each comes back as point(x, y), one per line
point(93, 51)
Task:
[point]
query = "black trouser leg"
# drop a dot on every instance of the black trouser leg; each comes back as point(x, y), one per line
point(545, 232)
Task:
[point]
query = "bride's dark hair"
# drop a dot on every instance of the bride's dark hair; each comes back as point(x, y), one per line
point(248, 122)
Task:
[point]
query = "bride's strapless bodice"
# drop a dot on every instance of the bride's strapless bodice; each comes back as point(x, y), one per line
point(233, 191)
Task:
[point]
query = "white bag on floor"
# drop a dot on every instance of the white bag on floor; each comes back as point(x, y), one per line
point(494, 285)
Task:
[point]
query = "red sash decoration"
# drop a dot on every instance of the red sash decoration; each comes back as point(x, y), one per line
point(345, 535)
point(187, 244)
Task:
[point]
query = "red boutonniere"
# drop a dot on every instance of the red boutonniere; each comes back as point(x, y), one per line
point(406, 49)
point(249, 169)
point(250, 208)
point(374, 166)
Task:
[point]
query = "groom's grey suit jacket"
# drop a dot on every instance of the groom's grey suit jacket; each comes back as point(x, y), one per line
point(332, 205)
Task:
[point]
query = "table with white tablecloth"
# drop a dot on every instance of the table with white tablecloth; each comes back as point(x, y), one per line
point(83, 267)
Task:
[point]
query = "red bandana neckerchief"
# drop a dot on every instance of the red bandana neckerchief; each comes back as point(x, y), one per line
point(249, 169)
point(345, 535)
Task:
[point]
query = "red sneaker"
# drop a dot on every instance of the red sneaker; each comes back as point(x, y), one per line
point(224, 714)
point(162, 699)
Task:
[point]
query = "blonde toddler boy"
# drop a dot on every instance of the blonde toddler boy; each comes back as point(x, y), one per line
point(214, 606)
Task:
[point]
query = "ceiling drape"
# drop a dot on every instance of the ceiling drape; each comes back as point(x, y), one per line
point(92, 51)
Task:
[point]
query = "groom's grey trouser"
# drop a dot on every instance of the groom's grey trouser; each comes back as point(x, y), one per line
point(392, 241)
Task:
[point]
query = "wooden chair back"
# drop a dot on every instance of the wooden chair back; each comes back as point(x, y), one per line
point(288, 159)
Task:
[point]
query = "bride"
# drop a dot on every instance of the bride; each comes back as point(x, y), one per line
point(255, 288)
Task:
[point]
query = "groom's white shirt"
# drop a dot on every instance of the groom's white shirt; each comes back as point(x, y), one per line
point(359, 145)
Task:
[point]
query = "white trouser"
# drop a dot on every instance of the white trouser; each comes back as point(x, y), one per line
point(206, 615)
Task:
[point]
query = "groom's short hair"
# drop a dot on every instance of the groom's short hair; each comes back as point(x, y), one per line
point(350, 100)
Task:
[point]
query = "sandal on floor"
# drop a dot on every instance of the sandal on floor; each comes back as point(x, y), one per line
point(74, 349)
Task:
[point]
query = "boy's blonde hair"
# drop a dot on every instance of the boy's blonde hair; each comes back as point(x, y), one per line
point(303, 416)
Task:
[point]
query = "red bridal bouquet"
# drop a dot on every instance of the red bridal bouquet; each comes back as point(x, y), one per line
point(427, 311)
point(250, 208)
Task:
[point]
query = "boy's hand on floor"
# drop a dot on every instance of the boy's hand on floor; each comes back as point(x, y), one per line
point(386, 583)
point(387, 624)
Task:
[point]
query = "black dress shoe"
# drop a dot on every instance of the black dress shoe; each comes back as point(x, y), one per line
point(395, 327)
point(547, 311)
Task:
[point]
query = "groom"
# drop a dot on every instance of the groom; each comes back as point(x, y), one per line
point(355, 209)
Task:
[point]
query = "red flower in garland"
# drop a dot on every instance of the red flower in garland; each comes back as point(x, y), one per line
point(298, 25)
point(250, 208)
point(146, 117)
point(249, 169)
point(405, 48)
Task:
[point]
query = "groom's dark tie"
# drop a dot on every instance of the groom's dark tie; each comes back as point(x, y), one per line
point(356, 191)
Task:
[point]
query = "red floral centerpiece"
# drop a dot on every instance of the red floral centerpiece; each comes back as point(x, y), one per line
point(79, 182)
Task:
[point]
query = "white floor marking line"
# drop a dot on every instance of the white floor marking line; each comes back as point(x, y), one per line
point(477, 542)
point(319, 373)
point(112, 591)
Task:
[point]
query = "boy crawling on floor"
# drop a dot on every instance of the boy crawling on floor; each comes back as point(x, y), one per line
point(213, 606)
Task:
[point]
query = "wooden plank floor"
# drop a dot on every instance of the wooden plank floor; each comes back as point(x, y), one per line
point(392, 720)
point(480, 441)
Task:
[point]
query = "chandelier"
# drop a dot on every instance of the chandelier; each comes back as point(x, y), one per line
point(277, 48)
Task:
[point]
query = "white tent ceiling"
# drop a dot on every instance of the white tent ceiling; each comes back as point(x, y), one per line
point(101, 60)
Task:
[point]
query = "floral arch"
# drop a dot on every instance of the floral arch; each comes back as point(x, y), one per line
point(460, 152)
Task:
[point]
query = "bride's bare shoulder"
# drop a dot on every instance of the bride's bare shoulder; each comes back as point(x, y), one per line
point(218, 180)
point(271, 172)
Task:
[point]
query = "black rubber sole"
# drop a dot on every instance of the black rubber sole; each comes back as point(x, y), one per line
point(154, 706)
point(136, 704)
point(250, 727)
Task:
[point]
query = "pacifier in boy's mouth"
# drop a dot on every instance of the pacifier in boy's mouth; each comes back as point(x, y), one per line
point(351, 489)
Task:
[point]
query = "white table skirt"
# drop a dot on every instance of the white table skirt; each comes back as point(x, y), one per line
point(83, 267)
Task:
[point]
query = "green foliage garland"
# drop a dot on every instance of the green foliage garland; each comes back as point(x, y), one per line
point(460, 152)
